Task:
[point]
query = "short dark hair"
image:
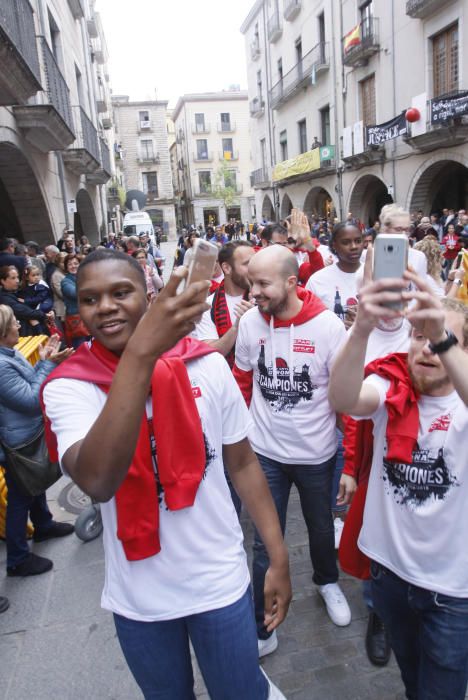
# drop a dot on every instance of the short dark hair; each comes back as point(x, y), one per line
point(226, 253)
point(342, 226)
point(5, 271)
point(5, 243)
point(106, 254)
point(270, 229)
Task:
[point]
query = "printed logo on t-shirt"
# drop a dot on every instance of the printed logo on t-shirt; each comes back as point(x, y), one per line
point(196, 391)
point(210, 456)
point(282, 395)
point(304, 345)
point(427, 477)
point(441, 423)
point(341, 308)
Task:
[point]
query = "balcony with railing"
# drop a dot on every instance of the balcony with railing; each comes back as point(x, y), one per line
point(316, 163)
point(260, 178)
point(228, 155)
point(304, 73)
point(144, 125)
point(420, 9)
point(226, 127)
point(291, 9)
point(257, 107)
point(48, 123)
point(20, 75)
point(446, 125)
point(147, 156)
point(83, 157)
point(104, 171)
point(203, 157)
point(201, 129)
point(361, 43)
point(274, 27)
point(76, 8)
point(101, 100)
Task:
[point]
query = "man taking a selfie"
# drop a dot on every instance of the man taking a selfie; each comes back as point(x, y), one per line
point(175, 566)
point(415, 518)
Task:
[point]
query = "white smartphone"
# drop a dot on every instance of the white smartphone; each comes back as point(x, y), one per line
point(390, 258)
point(203, 262)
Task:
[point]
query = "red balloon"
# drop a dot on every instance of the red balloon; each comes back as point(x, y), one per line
point(412, 115)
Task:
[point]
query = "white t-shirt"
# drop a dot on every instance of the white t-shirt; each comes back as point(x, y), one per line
point(325, 252)
point(382, 343)
point(293, 420)
point(202, 564)
point(337, 289)
point(416, 515)
point(205, 328)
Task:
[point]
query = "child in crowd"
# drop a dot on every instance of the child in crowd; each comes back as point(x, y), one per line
point(36, 293)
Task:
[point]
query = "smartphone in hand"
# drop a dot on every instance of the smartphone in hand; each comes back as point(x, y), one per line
point(203, 262)
point(390, 259)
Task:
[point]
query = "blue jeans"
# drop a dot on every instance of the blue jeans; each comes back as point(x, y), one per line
point(428, 633)
point(19, 507)
point(314, 483)
point(337, 475)
point(225, 644)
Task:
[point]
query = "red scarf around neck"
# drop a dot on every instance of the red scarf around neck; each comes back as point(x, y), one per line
point(221, 318)
point(181, 462)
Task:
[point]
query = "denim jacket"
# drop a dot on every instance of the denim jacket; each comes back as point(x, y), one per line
point(20, 410)
point(68, 285)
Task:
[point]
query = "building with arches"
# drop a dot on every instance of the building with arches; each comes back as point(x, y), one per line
point(55, 123)
point(330, 84)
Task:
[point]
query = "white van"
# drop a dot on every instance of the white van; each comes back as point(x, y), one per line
point(136, 222)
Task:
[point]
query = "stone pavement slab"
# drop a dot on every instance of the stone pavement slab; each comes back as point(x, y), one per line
point(56, 642)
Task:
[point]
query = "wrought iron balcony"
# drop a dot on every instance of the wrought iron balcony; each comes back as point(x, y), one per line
point(304, 73)
point(448, 127)
point(260, 178)
point(228, 155)
point(275, 28)
point(201, 129)
point(312, 164)
point(420, 9)
point(226, 127)
point(361, 43)
point(255, 50)
point(204, 157)
point(257, 107)
point(48, 123)
point(20, 75)
point(104, 171)
point(292, 9)
point(148, 157)
point(83, 157)
point(76, 8)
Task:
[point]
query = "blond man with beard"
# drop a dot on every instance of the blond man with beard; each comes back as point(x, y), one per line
point(415, 517)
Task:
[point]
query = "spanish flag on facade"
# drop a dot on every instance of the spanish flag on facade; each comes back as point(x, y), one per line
point(352, 39)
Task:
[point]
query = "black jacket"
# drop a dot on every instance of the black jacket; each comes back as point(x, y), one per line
point(24, 314)
point(17, 260)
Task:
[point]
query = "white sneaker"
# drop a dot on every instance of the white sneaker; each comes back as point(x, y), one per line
point(275, 693)
point(267, 646)
point(339, 525)
point(336, 604)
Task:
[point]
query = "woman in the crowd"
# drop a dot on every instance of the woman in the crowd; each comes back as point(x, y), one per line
point(20, 421)
point(31, 321)
point(55, 284)
point(451, 246)
point(75, 331)
point(435, 260)
point(153, 281)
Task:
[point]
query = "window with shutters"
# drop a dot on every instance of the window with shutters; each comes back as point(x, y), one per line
point(445, 61)
point(367, 90)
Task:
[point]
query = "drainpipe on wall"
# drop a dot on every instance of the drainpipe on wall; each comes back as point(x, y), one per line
point(394, 145)
point(339, 171)
point(269, 111)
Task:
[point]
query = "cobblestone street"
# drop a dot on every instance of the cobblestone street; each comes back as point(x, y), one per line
point(56, 642)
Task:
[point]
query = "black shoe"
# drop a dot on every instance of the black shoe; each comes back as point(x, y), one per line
point(377, 643)
point(4, 604)
point(32, 566)
point(55, 530)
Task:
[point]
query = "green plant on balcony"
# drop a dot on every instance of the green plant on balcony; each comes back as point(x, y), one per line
point(222, 188)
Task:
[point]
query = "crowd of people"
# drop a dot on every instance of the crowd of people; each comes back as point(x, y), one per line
point(299, 369)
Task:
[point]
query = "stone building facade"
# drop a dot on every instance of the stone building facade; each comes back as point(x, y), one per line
point(54, 120)
point(211, 158)
point(330, 84)
point(142, 143)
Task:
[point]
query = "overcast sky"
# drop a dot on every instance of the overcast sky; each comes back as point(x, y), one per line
point(171, 47)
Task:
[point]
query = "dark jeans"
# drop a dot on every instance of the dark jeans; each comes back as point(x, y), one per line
point(428, 633)
point(337, 475)
point(225, 644)
point(18, 508)
point(314, 483)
